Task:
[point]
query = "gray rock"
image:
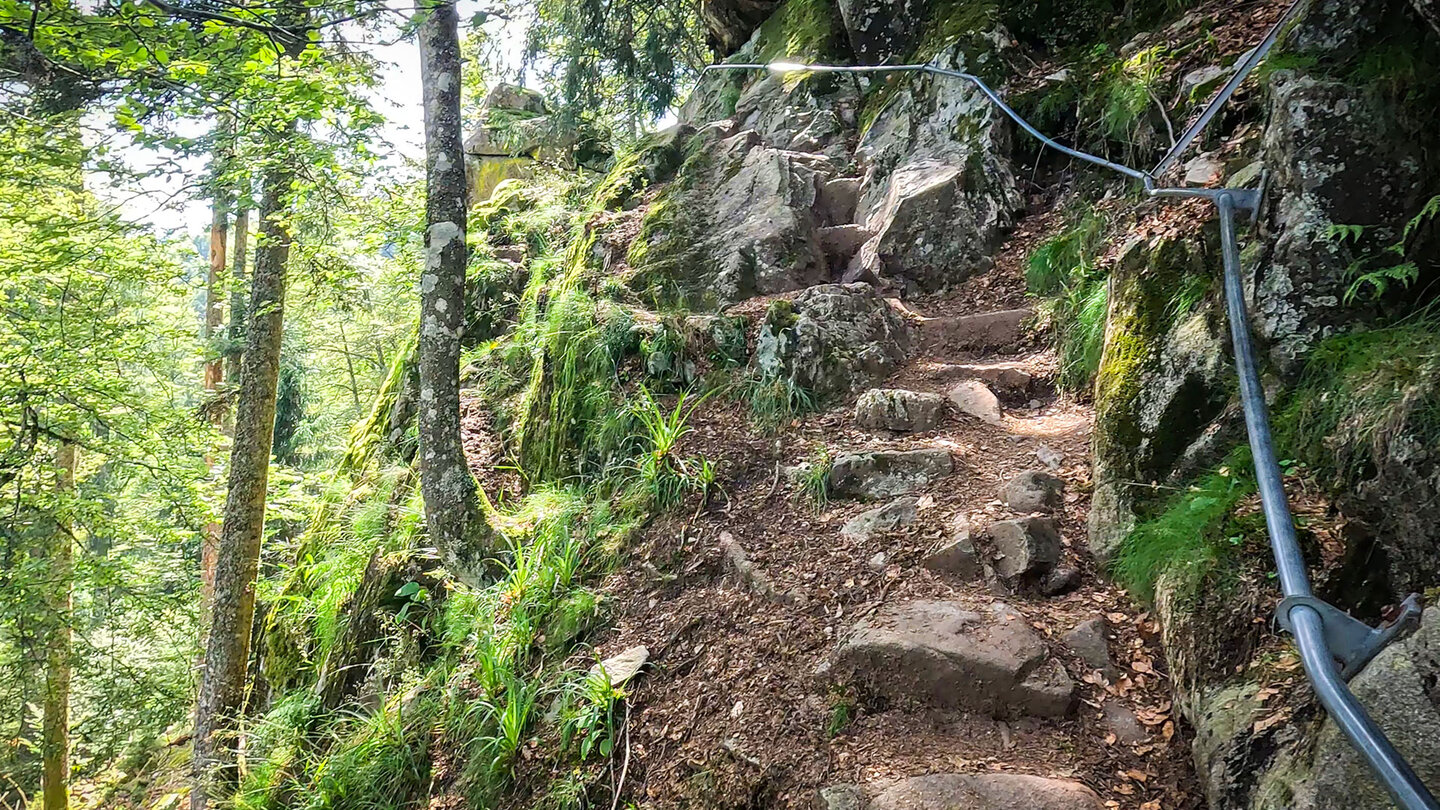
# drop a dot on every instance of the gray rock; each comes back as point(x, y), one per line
point(888, 473)
point(505, 96)
point(1397, 688)
point(1050, 457)
point(862, 527)
point(1006, 379)
point(878, 31)
point(1034, 491)
point(895, 409)
point(730, 22)
point(940, 191)
point(985, 791)
point(841, 242)
point(1204, 170)
point(877, 562)
point(1062, 580)
point(974, 398)
point(622, 667)
point(941, 655)
point(839, 797)
point(989, 330)
point(1088, 640)
point(1122, 722)
point(832, 340)
point(837, 198)
point(1025, 549)
point(957, 555)
point(1198, 84)
point(1429, 10)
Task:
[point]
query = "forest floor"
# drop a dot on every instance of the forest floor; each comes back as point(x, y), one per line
point(730, 712)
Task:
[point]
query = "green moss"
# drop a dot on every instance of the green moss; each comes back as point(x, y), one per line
point(798, 30)
point(1190, 534)
point(1360, 390)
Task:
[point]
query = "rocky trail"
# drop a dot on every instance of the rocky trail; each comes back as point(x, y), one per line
point(932, 634)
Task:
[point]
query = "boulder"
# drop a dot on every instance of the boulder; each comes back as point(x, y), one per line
point(915, 228)
point(729, 23)
point(1397, 688)
point(956, 555)
point(840, 243)
point(831, 340)
point(974, 398)
point(1061, 580)
point(1026, 549)
point(940, 192)
point(989, 330)
point(894, 409)
point(1088, 640)
point(888, 473)
point(862, 527)
point(1034, 491)
point(1007, 380)
point(836, 204)
point(881, 31)
point(505, 96)
point(985, 791)
point(940, 654)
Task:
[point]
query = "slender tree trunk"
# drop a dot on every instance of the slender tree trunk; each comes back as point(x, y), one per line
point(55, 736)
point(222, 680)
point(349, 366)
point(453, 517)
point(214, 320)
point(236, 330)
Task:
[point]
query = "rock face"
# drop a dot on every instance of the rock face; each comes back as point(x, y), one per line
point(899, 512)
point(730, 22)
point(938, 654)
point(888, 473)
point(1034, 491)
point(938, 204)
point(985, 791)
point(880, 31)
point(832, 340)
point(906, 411)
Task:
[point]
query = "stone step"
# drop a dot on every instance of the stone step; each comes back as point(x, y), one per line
point(975, 333)
point(1009, 379)
point(888, 473)
point(962, 791)
point(899, 410)
point(943, 655)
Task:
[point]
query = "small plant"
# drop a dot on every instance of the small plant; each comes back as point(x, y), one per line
point(663, 472)
point(775, 401)
point(1393, 266)
point(842, 713)
point(815, 480)
point(588, 720)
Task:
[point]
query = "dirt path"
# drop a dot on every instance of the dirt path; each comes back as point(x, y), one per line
point(733, 713)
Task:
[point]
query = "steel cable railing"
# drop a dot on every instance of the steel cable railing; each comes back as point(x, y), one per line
point(1333, 645)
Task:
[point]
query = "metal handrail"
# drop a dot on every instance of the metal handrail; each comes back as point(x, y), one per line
point(1333, 645)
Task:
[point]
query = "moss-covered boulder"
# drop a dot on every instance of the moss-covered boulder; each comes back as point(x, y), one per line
point(832, 340)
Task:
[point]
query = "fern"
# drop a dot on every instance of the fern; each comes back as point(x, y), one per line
point(1378, 281)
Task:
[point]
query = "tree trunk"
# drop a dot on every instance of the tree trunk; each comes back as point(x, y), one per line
point(236, 330)
point(55, 737)
point(453, 517)
point(222, 680)
point(214, 359)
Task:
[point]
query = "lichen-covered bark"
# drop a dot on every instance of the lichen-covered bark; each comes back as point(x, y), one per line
point(452, 505)
point(222, 678)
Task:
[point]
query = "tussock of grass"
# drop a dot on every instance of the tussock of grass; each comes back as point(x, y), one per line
point(1062, 270)
point(1192, 530)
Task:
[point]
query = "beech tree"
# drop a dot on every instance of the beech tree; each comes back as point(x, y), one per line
point(454, 519)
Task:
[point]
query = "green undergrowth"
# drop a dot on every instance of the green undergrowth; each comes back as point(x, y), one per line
point(466, 679)
point(1062, 272)
point(1190, 533)
point(1361, 391)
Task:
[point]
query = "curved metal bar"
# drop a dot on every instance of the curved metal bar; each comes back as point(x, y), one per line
point(1388, 765)
point(1242, 71)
